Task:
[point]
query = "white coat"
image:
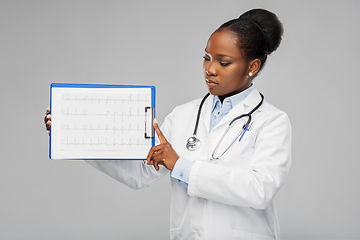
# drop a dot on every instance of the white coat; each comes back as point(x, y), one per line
point(231, 198)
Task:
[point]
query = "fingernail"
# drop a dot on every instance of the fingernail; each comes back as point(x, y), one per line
point(48, 116)
point(155, 120)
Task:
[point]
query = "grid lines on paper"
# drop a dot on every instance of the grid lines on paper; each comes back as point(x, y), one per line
point(103, 121)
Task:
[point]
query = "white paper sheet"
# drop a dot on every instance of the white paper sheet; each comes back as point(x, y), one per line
point(99, 123)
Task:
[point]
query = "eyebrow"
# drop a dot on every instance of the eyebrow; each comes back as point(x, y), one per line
point(219, 55)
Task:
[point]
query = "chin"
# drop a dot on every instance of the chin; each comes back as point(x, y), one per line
point(211, 91)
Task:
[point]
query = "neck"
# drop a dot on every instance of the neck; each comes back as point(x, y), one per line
point(222, 98)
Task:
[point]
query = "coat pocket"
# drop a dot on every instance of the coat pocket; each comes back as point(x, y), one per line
point(240, 235)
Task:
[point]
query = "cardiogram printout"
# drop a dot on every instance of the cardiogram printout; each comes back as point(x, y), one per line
point(93, 121)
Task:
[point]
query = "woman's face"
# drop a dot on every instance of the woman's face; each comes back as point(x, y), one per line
point(226, 70)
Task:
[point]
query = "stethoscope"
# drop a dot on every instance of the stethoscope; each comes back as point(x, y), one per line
point(194, 143)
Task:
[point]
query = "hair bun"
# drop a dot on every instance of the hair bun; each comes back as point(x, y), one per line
point(269, 24)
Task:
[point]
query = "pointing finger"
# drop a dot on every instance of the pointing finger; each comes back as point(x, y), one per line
point(159, 133)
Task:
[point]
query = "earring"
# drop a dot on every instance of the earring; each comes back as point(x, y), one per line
point(250, 74)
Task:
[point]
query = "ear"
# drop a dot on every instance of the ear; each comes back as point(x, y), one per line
point(254, 67)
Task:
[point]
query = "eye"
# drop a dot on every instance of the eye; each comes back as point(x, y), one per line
point(206, 58)
point(224, 64)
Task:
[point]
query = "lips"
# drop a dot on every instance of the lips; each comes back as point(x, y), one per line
point(210, 82)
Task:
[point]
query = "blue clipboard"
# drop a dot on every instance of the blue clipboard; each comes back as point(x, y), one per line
point(101, 121)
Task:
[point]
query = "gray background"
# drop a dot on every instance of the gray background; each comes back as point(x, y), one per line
point(314, 77)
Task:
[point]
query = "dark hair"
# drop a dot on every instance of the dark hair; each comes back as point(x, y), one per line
point(258, 31)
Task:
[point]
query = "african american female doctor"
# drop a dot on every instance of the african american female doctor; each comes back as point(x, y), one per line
point(224, 187)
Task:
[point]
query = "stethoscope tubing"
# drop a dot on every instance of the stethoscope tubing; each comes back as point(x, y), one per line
point(198, 114)
point(222, 138)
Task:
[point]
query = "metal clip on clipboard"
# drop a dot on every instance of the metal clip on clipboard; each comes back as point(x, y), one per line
point(149, 117)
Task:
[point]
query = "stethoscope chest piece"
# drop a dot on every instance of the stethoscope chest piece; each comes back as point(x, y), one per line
point(193, 143)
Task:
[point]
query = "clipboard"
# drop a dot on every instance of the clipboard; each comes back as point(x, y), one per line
point(101, 121)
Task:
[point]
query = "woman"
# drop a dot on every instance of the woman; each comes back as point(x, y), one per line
point(218, 194)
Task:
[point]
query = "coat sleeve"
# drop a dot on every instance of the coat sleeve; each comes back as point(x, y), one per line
point(253, 187)
point(134, 173)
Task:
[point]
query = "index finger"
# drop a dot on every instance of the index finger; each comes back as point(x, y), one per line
point(159, 133)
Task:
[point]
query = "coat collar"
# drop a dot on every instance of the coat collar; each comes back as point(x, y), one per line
point(245, 106)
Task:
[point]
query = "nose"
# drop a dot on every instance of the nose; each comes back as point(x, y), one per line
point(210, 70)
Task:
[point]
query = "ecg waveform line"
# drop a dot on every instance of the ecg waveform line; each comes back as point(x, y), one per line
point(106, 143)
point(107, 100)
point(99, 128)
point(114, 114)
